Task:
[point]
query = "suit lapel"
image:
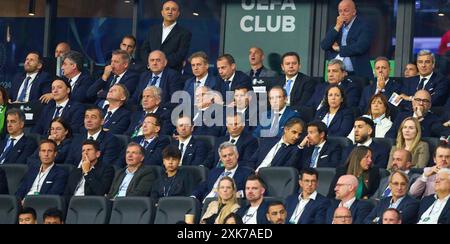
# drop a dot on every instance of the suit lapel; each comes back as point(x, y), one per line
point(171, 34)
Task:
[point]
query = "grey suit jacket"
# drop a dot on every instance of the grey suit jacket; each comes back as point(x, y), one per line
point(265, 72)
point(385, 182)
point(140, 185)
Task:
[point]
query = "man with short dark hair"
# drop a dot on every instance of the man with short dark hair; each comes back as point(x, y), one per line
point(256, 210)
point(53, 216)
point(79, 80)
point(392, 216)
point(230, 77)
point(27, 215)
point(276, 213)
point(128, 44)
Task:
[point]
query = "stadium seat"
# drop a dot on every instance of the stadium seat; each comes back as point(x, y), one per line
point(132, 210)
point(199, 174)
point(280, 181)
point(36, 137)
point(171, 210)
point(67, 167)
point(432, 145)
point(344, 142)
point(41, 203)
point(388, 142)
point(9, 209)
point(88, 210)
point(14, 174)
point(207, 140)
point(326, 176)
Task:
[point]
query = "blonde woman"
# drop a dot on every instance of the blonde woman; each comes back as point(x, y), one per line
point(408, 137)
point(226, 203)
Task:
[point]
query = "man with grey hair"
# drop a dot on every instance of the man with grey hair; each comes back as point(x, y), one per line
point(435, 209)
point(117, 117)
point(433, 82)
point(229, 156)
point(208, 115)
point(116, 72)
point(345, 189)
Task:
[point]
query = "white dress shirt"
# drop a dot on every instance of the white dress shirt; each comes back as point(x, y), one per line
point(301, 207)
point(166, 31)
point(28, 88)
point(431, 216)
point(39, 181)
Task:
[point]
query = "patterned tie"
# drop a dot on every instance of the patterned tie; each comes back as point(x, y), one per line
point(314, 157)
point(181, 148)
point(145, 144)
point(57, 111)
point(153, 81)
point(9, 146)
point(421, 84)
point(23, 93)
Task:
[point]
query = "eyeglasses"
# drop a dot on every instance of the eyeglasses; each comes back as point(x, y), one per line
point(339, 185)
point(418, 100)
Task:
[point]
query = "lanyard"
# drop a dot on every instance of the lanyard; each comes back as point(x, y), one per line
point(172, 180)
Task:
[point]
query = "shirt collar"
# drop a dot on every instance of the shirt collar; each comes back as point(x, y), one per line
point(159, 75)
point(113, 110)
point(282, 111)
point(47, 170)
point(33, 76)
point(367, 143)
point(427, 77)
point(95, 136)
point(321, 144)
point(75, 78)
point(17, 138)
point(292, 79)
point(232, 77)
point(350, 24)
point(203, 80)
point(349, 203)
point(170, 26)
point(313, 196)
point(63, 104)
point(185, 142)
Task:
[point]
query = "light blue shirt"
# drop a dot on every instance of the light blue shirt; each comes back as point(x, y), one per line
point(395, 204)
point(125, 183)
point(158, 81)
point(345, 31)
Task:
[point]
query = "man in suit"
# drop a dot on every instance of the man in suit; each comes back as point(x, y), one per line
point(208, 116)
point(438, 202)
point(309, 206)
point(93, 130)
point(151, 103)
point(3, 182)
point(279, 114)
point(298, 86)
point(230, 78)
point(255, 211)
point(349, 40)
point(317, 151)
point(424, 185)
point(433, 82)
point(229, 156)
point(345, 189)
point(384, 85)
point(245, 142)
point(91, 179)
point(399, 199)
point(128, 44)
point(364, 129)
point(193, 151)
point(31, 85)
point(199, 63)
point(410, 70)
point(246, 107)
point(136, 179)
point(62, 106)
point(53, 66)
point(276, 213)
point(280, 152)
point(150, 140)
point(257, 69)
point(79, 80)
point(401, 160)
point(45, 179)
point(16, 147)
point(169, 37)
point(117, 117)
point(115, 73)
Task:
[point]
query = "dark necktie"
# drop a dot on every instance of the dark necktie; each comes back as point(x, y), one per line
point(233, 141)
point(57, 111)
point(9, 146)
point(153, 81)
point(181, 148)
point(108, 117)
point(227, 85)
point(421, 84)
point(23, 93)
point(113, 82)
point(314, 156)
point(91, 138)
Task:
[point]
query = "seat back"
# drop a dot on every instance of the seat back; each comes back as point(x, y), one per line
point(344, 142)
point(9, 209)
point(387, 142)
point(280, 181)
point(88, 210)
point(41, 203)
point(132, 210)
point(199, 174)
point(207, 140)
point(326, 176)
point(433, 143)
point(67, 167)
point(14, 174)
point(172, 210)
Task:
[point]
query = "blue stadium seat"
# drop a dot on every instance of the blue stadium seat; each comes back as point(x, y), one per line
point(326, 176)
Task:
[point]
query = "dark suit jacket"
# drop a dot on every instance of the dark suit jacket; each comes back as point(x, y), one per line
point(240, 177)
point(368, 191)
point(240, 79)
point(140, 185)
point(97, 181)
point(175, 46)
point(53, 184)
point(315, 210)
point(351, 88)
point(73, 115)
point(211, 82)
point(63, 150)
point(285, 117)
point(170, 82)
point(3, 183)
point(408, 208)
point(426, 203)
point(41, 85)
point(369, 91)
point(153, 152)
point(119, 121)
point(437, 86)
point(357, 48)
point(206, 123)
point(359, 209)
point(260, 213)
point(195, 152)
point(302, 90)
point(164, 115)
point(78, 93)
point(97, 92)
point(20, 152)
point(384, 183)
point(329, 156)
point(288, 156)
point(380, 154)
point(178, 185)
point(109, 147)
point(342, 123)
point(431, 125)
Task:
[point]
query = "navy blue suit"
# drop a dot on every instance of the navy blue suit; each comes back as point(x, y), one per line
point(63, 150)
point(437, 86)
point(164, 115)
point(240, 177)
point(369, 91)
point(54, 183)
point(169, 82)
point(195, 152)
point(285, 117)
point(351, 88)
point(41, 85)
point(315, 210)
point(72, 114)
point(426, 203)
point(153, 152)
point(211, 82)
point(431, 125)
point(367, 191)
point(119, 121)
point(359, 209)
point(78, 93)
point(357, 48)
point(329, 156)
point(109, 147)
point(3, 182)
point(260, 213)
point(302, 90)
point(408, 208)
point(380, 154)
point(285, 156)
point(240, 79)
point(342, 123)
point(97, 92)
point(20, 152)
point(203, 124)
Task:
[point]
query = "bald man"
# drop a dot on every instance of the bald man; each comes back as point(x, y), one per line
point(342, 216)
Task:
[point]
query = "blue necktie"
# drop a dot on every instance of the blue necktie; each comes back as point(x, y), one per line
point(23, 93)
point(287, 87)
point(108, 117)
point(58, 109)
point(145, 144)
point(314, 157)
point(113, 82)
point(387, 192)
point(227, 85)
point(9, 146)
point(153, 81)
point(275, 124)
